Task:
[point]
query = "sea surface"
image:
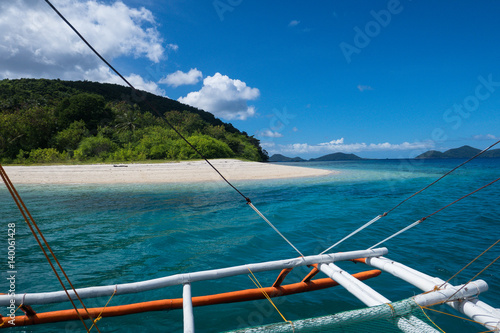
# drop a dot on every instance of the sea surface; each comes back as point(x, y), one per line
point(112, 234)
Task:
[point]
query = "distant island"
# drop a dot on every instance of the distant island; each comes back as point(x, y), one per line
point(329, 157)
point(281, 158)
point(462, 152)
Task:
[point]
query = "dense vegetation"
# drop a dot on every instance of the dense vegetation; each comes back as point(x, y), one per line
point(47, 121)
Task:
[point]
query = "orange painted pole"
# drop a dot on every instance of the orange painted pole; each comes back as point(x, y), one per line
point(167, 304)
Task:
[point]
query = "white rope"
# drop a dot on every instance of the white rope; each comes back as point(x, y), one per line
point(272, 226)
point(397, 233)
point(353, 233)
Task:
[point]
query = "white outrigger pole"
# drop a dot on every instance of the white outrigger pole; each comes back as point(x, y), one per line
point(462, 298)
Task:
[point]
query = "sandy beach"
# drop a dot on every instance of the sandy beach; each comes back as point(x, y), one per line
point(188, 171)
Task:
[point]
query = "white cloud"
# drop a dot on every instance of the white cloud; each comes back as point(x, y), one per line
point(339, 146)
point(224, 97)
point(180, 78)
point(269, 134)
point(36, 43)
point(333, 142)
point(173, 47)
point(486, 137)
point(363, 87)
point(293, 23)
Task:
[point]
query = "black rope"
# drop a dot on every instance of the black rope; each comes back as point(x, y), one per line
point(446, 174)
point(147, 102)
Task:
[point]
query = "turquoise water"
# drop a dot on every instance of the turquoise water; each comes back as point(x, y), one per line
point(124, 233)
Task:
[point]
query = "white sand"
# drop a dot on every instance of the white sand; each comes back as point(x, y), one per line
point(196, 171)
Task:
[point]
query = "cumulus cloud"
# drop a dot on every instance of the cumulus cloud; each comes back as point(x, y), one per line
point(180, 78)
point(269, 134)
point(36, 43)
point(338, 145)
point(224, 97)
point(293, 23)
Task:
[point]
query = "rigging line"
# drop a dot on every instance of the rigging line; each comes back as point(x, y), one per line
point(475, 276)
point(146, 101)
point(353, 233)
point(393, 208)
point(259, 286)
point(20, 204)
point(459, 317)
point(428, 318)
point(437, 211)
point(465, 196)
point(167, 122)
point(274, 228)
point(454, 275)
point(446, 174)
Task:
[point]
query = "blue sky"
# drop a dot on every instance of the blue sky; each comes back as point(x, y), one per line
point(375, 78)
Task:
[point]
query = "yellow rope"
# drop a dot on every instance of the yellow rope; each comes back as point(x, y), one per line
point(99, 316)
point(449, 314)
point(258, 285)
point(3, 322)
point(433, 323)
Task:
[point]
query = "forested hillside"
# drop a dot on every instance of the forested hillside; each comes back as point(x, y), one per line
point(47, 121)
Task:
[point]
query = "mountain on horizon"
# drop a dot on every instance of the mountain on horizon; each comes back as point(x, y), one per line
point(336, 157)
point(282, 158)
point(461, 152)
point(329, 157)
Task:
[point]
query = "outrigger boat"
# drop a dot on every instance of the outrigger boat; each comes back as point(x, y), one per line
point(400, 315)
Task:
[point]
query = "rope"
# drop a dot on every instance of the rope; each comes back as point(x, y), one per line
point(465, 196)
point(459, 317)
point(258, 285)
point(446, 174)
point(162, 117)
point(353, 233)
point(274, 228)
point(437, 211)
point(475, 276)
point(414, 194)
point(145, 100)
point(397, 233)
point(425, 314)
point(29, 220)
point(99, 316)
point(454, 275)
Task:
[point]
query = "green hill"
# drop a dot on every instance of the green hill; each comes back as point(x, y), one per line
point(336, 157)
point(282, 158)
point(57, 121)
point(462, 152)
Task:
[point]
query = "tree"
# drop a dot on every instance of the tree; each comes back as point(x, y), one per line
point(91, 108)
point(95, 146)
point(68, 139)
point(126, 116)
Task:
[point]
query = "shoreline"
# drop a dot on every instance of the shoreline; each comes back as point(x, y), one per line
point(170, 172)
